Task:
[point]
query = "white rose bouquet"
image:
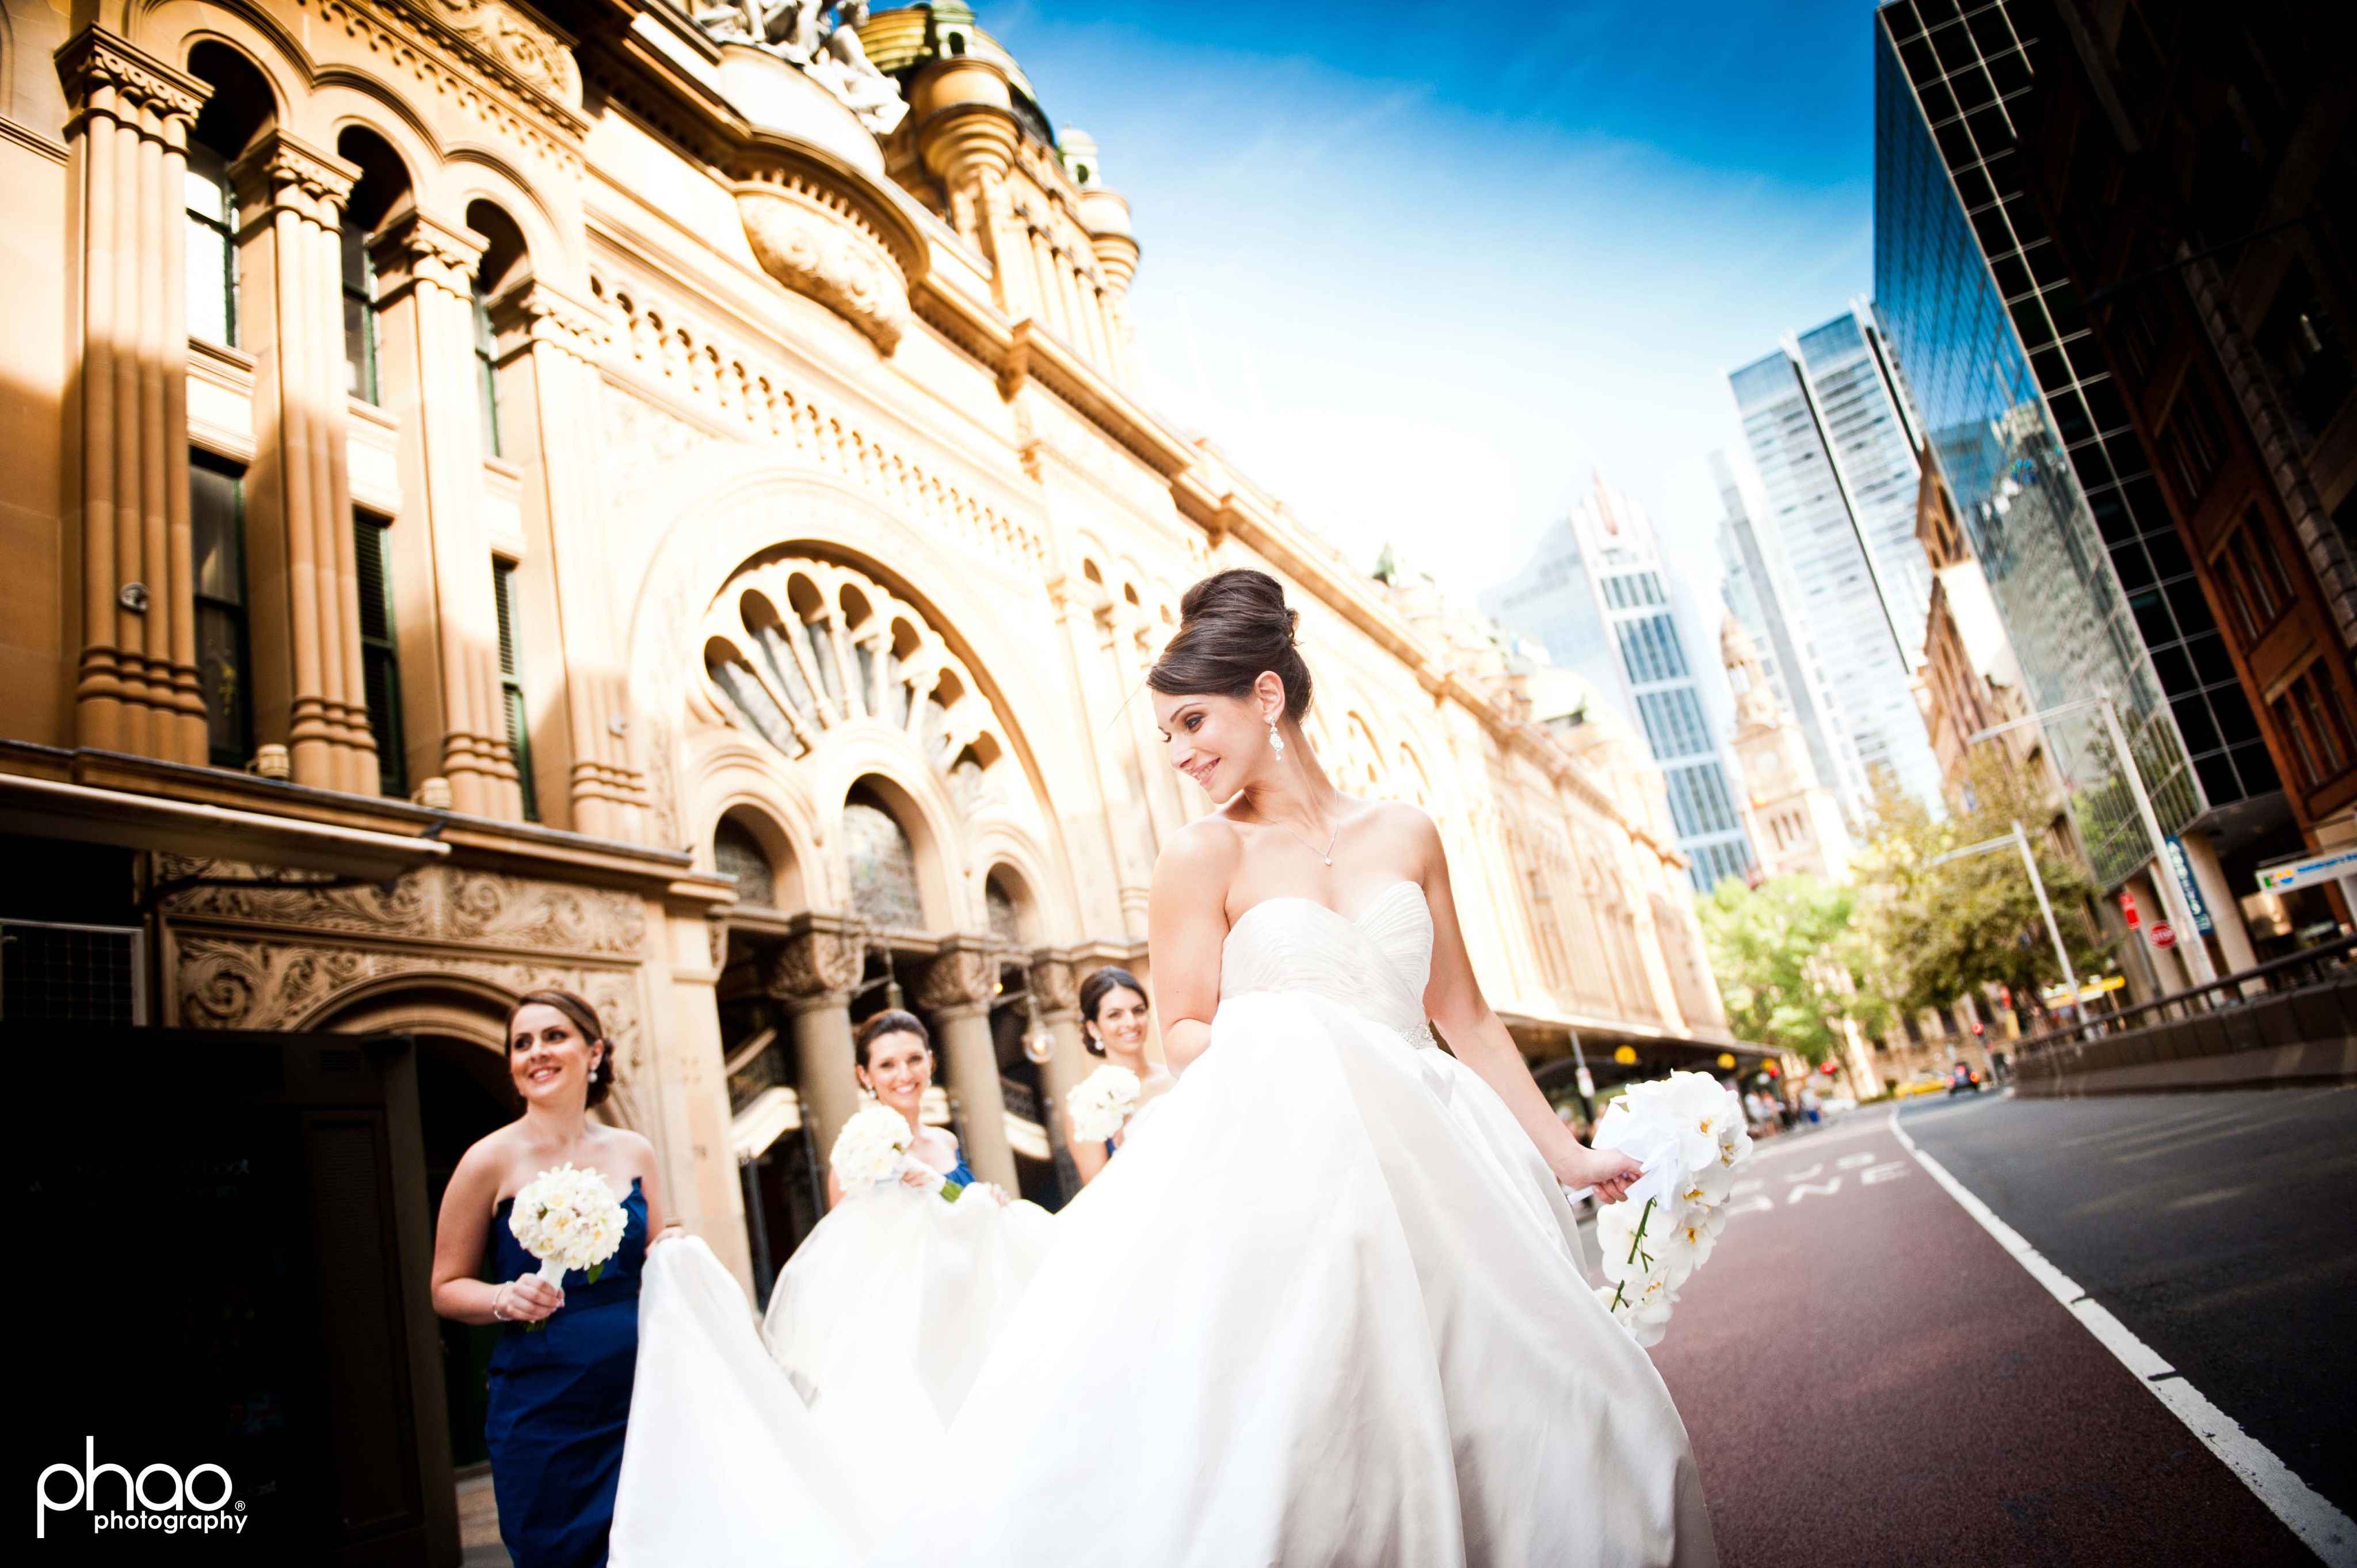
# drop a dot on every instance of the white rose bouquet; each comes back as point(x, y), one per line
point(1688, 1132)
point(1101, 1103)
point(872, 1150)
point(567, 1218)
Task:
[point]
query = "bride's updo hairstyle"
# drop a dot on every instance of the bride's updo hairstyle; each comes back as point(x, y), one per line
point(1232, 626)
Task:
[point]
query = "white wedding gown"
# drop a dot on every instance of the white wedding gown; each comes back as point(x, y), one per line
point(1323, 1310)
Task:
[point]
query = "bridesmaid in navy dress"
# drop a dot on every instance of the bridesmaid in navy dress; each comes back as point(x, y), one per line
point(560, 1385)
point(1114, 1011)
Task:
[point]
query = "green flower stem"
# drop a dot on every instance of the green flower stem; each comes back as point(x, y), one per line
point(1621, 1289)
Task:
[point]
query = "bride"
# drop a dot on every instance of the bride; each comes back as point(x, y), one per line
point(1325, 1309)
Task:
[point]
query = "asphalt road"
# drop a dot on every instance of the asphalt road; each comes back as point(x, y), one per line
point(1869, 1376)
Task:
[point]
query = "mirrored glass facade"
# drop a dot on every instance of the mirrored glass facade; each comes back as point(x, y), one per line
point(1990, 339)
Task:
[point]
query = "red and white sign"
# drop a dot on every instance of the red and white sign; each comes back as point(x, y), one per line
point(2127, 907)
point(2163, 934)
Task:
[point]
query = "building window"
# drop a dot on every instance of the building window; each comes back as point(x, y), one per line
point(511, 687)
point(736, 852)
point(2312, 723)
point(883, 866)
point(212, 260)
point(2304, 346)
point(216, 528)
point(380, 665)
point(2197, 445)
point(486, 374)
point(360, 316)
point(2254, 577)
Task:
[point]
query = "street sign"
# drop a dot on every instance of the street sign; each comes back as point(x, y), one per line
point(2127, 907)
point(2163, 934)
point(2308, 870)
point(2184, 869)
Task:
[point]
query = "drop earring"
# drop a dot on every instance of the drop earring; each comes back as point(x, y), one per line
point(1275, 741)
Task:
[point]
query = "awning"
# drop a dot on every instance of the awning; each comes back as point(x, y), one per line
point(43, 807)
point(774, 1112)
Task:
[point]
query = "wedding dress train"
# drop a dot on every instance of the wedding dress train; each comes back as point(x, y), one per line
point(1325, 1311)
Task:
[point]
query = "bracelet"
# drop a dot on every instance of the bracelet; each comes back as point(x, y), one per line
point(497, 1316)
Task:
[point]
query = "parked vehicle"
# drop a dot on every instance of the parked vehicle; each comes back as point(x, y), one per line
point(1965, 1079)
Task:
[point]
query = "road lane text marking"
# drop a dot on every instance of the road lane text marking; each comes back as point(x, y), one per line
point(2325, 1528)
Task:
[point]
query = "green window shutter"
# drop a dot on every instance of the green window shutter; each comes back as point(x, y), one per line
point(380, 662)
point(511, 688)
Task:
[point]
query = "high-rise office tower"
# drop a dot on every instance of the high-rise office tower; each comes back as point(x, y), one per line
point(2033, 426)
point(1830, 435)
point(1756, 588)
point(1595, 595)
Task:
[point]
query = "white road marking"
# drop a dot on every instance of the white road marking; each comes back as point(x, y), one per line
point(1824, 1188)
point(2325, 1528)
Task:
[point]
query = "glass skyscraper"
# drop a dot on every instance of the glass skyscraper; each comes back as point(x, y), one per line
point(1595, 595)
point(2083, 558)
point(1829, 434)
point(1757, 589)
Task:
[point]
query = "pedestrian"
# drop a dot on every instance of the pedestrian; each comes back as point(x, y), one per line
point(1811, 1107)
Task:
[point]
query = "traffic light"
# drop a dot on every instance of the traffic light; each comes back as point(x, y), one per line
point(1976, 1025)
point(1827, 1070)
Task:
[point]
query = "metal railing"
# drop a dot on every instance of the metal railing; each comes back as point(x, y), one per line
point(2311, 966)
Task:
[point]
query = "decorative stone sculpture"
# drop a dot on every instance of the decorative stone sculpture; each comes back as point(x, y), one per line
point(824, 46)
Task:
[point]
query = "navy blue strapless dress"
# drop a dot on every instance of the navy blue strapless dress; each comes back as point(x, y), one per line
point(561, 1400)
point(961, 1173)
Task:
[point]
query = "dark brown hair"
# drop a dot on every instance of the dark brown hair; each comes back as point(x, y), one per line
point(1094, 992)
point(890, 1022)
point(583, 1017)
point(1232, 626)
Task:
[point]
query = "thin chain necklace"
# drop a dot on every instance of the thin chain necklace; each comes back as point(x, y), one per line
point(1327, 854)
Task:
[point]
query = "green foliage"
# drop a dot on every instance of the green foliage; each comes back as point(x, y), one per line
point(1954, 929)
point(1792, 965)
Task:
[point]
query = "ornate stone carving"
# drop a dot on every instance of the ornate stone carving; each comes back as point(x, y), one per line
point(555, 318)
point(809, 247)
point(964, 976)
point(236, 982)
point(1056, 984)
point(438, 904)
point(811, 963)
point(96, 60)
point(824, 47)
point(518, 46)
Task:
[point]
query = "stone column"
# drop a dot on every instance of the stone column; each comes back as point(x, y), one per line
point(812, 974)
point(304, 581)
point(957, 990)
point(137, 687)
point(550, 344)
point(1057, 982)
point(1164, 804)
point(1107, 213)
point(442, 554)
point(1129, 859)
point(966, 135)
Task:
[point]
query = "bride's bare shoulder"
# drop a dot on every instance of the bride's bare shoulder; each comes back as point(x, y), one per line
point(1210, 845)
point(1411, 827)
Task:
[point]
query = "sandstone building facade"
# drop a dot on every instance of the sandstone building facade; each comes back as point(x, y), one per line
point(507, 494)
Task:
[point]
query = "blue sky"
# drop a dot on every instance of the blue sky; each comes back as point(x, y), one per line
point(1416, 269)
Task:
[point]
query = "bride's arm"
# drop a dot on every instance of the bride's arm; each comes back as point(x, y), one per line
point(1186, 925)
point(1453, 1000)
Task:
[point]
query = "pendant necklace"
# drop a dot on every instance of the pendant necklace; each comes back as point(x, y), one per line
point(1327, 854)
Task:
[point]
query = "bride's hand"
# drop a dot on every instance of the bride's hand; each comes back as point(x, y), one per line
point(921, 1176)
point(1608, 1171)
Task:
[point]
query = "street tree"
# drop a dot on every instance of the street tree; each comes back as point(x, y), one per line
point(1793, 968)
point(1960, 927)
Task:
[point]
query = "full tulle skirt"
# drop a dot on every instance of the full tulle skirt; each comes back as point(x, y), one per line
point(1324, 1310)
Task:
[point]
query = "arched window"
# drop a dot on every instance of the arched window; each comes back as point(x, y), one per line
point(384, 182)
point(240, 107)
point(737, 853)
point(883, 865)
point(504, 262)
point(1006, 920)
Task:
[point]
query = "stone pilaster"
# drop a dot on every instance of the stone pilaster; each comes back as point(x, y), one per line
point(426, 315)
point(137, 686)
point(957, 990)
point(552, 343)
point(1056, 981)
point(304, 581)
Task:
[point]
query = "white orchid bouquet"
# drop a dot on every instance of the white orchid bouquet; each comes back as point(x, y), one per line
point(1102, 1103)
point(568, 1219)
point(1687, 1129)
point(872, 1151)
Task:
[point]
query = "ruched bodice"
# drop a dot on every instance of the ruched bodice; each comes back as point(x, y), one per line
point(1374, 963)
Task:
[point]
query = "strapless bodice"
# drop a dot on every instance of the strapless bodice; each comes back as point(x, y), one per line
point(1374, 962)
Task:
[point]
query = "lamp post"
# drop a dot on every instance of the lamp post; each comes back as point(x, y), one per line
point(2172, 892)
point(2020, 841)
